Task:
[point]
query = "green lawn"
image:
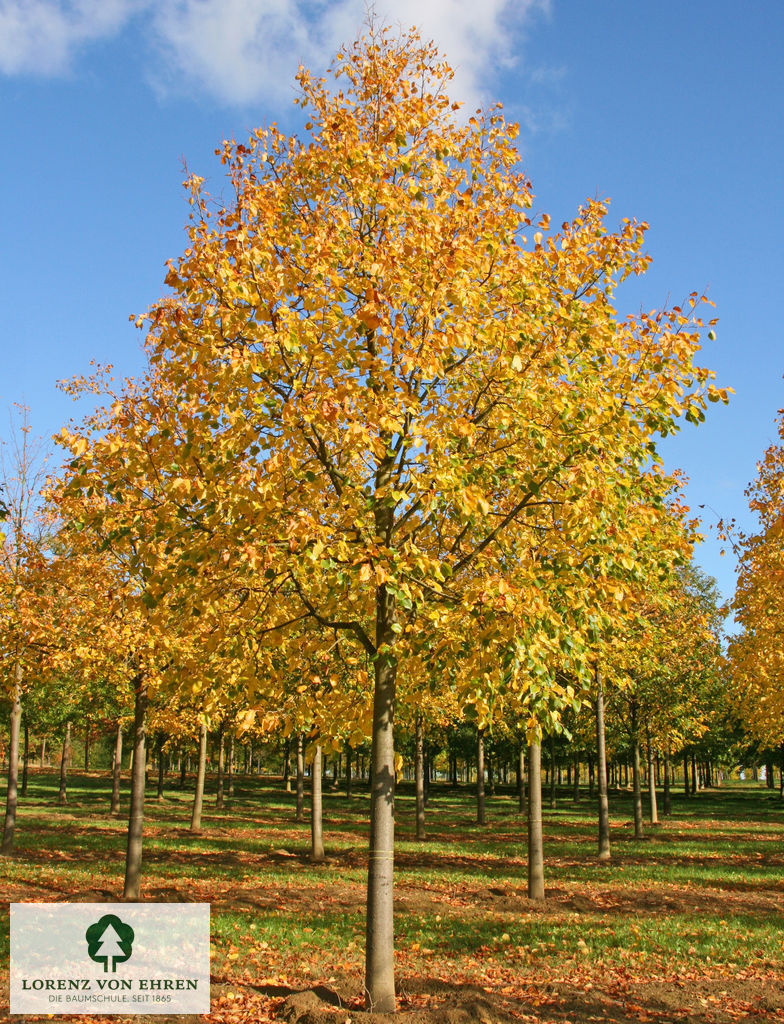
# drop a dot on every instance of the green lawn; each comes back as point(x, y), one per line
point(700, 898)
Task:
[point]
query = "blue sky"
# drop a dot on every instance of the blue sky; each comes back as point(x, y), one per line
point(671, 109)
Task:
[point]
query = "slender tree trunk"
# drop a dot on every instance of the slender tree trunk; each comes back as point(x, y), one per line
point(87, 743)
point(133, 855)
point(535, 843)
point(316, 812)
point(300, 777)
point(552, 771)
point(62, 796)
point(11, 798)
point(230, 773)
point(522, 803)
point(116, 771)
point(480, 777)
point(651, 781)
point(349, 768)
point(693, 774)
point(161, 767)
point(379, 953)
point(636, 782)
point(591, 777)
point(576, 779)
point(601, 771)
point(667, 807)
point(43, 750)
point(221, 766)
point(419, 776)
point(25, 756)
point(491, 773)
point(686, 788)
point(183, 770)
point(198, 796)
point(287, 764)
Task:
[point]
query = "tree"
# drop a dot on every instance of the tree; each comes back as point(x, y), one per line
point(757, 652)
point(22, 567)
point(384, 392)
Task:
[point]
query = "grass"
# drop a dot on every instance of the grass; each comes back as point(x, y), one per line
point(702, 891)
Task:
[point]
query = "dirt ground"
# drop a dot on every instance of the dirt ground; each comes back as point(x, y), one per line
point(716, 1000)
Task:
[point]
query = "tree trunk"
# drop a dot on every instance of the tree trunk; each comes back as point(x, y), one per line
point(667, 806)
point(379, 953)
point(221, 767)
point(161, 766)
point(522, 803)
point(693, 774)
point(116, 771)
point(13, 764)
point(349, 769)
point(686, 788)
point(86, 744)
point(480, 777)
point(230, 773)
point(316, 818)
point(535, 846)
point(491, 773)
point(287, 764)
point(300, 777)
point(62, 796)
point(25, 756)
point(576, 780)
point(419, 776)
point(133, 855)
point(43, 750)
point(198, 796)
point(651, 781)
point(601, 771)
point(636, 782)
point(552, 771)
point(591, 777)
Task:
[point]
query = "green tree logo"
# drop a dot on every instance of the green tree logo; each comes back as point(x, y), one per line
point(109, 941)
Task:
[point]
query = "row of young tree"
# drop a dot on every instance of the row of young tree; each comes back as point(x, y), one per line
point(393, 464)
point(756, 652)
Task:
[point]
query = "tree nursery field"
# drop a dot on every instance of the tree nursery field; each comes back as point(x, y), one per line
point(685, 924)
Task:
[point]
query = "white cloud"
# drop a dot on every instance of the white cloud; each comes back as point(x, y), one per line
point(42, 36)
point(237, 50)
point(477, 38)
point(243, 51)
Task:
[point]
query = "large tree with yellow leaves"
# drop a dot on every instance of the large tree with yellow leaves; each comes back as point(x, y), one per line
point(385, 404)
